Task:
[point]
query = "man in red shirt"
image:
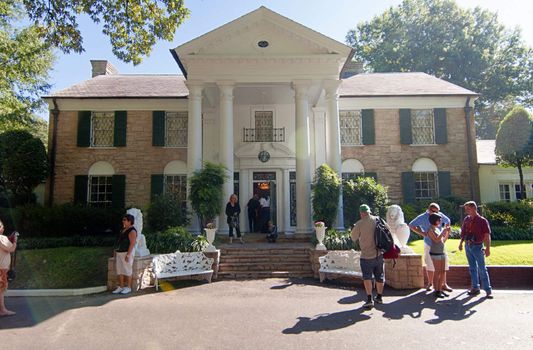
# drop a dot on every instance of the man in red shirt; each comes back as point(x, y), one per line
point(475, 233)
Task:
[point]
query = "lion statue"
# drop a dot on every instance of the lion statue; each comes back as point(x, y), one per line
point(140, 246)
point(399, 229)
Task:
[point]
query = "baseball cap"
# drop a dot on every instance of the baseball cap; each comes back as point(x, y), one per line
point(363, 208)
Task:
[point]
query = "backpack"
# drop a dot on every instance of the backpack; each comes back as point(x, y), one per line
point(383, 236)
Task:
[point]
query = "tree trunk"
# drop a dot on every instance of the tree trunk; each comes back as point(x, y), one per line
point(522, 187)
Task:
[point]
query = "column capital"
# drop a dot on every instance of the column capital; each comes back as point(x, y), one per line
point(332, 88)
point(301, 87)
point(195, 88)
point(225, 88)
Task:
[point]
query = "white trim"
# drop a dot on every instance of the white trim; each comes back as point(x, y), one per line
point(398, 102)
point(101, 168)
point(54, 292)
point(118, 104)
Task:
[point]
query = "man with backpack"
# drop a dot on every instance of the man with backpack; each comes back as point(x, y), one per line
point(371, 257)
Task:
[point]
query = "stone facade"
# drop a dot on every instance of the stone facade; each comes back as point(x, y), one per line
point(407, 273)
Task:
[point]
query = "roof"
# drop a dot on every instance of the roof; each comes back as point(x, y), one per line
point(127, 86)
point(399, 84)
point(486, 151)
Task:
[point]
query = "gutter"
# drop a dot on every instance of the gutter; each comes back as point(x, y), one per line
point(53, 151)
point(469, 148)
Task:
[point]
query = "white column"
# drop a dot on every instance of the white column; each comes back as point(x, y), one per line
point(333, 139)
point(303, 171)
point(226, 138)
point(286, 190)
point(244, 196)
point(194, 138)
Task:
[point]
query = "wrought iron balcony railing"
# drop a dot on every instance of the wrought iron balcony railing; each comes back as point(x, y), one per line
point(264, 135)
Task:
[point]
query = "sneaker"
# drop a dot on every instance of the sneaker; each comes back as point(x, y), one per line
point(368, 305)
point(489, 295)
point(473, 292)
point(242, 242)
point(118, 290)
point(378, 299)
point(429, 287)
point(444, 295)
point(126, 290)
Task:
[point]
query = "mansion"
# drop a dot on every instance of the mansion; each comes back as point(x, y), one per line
point(271, 100)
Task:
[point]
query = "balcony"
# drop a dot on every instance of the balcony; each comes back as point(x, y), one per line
point(264, 135)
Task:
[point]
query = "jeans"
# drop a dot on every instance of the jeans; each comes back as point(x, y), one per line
point(475, 255)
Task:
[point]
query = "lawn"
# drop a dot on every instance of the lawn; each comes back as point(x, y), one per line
point(68, 267)
point(501, 252)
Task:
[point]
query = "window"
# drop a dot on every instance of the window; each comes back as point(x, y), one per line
point(351, 176)
point(426, 185)
point(102, 129)
point(264, 126)
point(350, 128)
point(422, 124)
point(176, 129)
point(505, 193)
point(100, 191)
point(176, 186)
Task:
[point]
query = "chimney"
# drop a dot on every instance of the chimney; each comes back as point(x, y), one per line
point(351, 68)
point(102, 67)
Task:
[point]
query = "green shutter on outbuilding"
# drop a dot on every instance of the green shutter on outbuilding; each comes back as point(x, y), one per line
point(369, 134)
point(118, 194)
point(156, 186)
point(408, 186)
point(121, 122)
point(441, 132)
point(158, 128)
point(445, 184)
point(406, 136)
point(84, 129)
point(372, 175)
point(81, 185)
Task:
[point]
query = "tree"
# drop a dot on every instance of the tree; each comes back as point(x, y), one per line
point(133, 26)
point(24, 164)
point(469, 48)
point(363, 190)
point(205, 191)
point(326, 189)
point(25, 60)
point(514, 142)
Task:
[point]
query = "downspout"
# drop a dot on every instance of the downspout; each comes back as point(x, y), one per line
point(469, 148)
point(53, 150)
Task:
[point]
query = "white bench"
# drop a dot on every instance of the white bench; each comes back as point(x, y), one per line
point(181, 264)
point(340, 262)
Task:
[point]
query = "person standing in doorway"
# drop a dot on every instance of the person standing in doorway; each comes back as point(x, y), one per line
point(475, 234)
point(264, 214)
point(233, 210)
point(253, 209)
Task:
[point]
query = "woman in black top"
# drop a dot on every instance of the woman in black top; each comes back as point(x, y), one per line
point(124, 253)
point(233, 210)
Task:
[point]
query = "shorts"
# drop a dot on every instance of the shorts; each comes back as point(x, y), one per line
point(373, 269)
point(124, 267)
point(3, 279)
point(429, 262)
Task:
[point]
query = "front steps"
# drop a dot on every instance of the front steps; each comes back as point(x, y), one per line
point(264, 260)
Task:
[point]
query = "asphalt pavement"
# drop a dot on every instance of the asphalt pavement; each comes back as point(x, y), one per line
point(269, 314)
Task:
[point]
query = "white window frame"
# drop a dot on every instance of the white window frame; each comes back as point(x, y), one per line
point(512, 190)
point(103, 198)
point(432, 188)
point(349, 133)
point(179, 134)
point(182, 194)
point(429, 128)
point(96, 122)
point(504, 190)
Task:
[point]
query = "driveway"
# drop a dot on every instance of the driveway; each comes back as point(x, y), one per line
point(269, 314)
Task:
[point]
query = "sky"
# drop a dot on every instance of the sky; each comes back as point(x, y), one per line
point(333, 18)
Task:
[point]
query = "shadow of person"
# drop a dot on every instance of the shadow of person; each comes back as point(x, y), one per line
point(327, 322)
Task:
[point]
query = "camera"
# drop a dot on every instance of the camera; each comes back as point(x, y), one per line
point(13, 236)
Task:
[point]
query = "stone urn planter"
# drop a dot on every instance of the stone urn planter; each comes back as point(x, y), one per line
point(210, 235)
point(320, 230)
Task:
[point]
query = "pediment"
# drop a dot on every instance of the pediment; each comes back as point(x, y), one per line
point(282, 36)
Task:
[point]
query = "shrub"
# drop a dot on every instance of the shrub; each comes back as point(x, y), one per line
point(363, 190)
point(326, 191)
point(71, 241)
point(206, 191)
point(506, 233)
point(172, 239)
point(166, 211)
point(514, 214)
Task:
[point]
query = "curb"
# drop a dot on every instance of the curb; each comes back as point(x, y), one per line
point(54, 292)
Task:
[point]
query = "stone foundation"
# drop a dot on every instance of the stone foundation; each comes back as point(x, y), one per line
point(140, 263)
point(408, 273)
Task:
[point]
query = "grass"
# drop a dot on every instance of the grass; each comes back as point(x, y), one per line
point(501, 252)
point(67, 267)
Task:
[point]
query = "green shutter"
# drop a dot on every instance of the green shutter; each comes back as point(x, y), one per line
point(406, 137)
point(372, 175)
point(80, 189)
point(118, 194)
point(408, 186)
point(121, 121)
point(84, 129)
point(369, 135)
point(156, 186)
point(441, 133)
point(445, 185)
point(158, 128)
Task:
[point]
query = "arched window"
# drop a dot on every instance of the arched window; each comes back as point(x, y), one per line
point(426, 178)
point(175, 180)
point(352, 169)
point(100, 184)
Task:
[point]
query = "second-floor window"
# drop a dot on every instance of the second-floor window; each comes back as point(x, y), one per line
point(350, 128)
point(423, 128)
point(102, 129)
point(176, 129)
point(264, 126)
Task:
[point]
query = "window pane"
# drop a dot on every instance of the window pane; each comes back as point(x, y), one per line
point(350, 127)
point(176, 186)
point(100, 191)
point(422, 126)
point(505, 194)
point(264, 126)
point(426, 185)
point(176, 129)
point(102, 129)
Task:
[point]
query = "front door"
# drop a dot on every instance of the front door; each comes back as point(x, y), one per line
point(264, 184)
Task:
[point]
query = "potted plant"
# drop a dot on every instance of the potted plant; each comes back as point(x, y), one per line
point(320, 229)
point(210, 230)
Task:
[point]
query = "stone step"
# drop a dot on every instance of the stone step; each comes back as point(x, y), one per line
point(263, 274)
point(269, 266)
point(265, 259)
point(261, 238)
